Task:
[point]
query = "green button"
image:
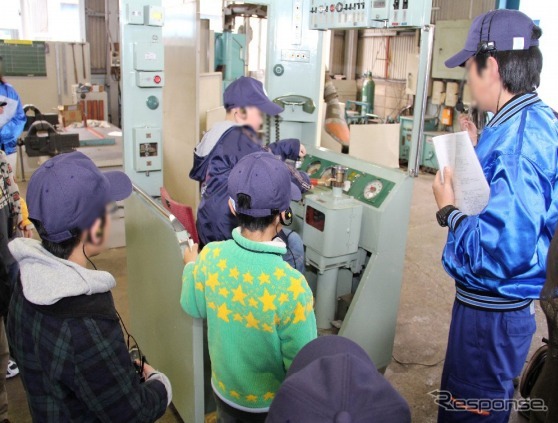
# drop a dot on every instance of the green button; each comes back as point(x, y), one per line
point(152, 102)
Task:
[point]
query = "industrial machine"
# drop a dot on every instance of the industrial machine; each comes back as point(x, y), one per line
point(407, 123)
point(429, 160)
point(142, 83)
point(230, 56)
point(353, 223)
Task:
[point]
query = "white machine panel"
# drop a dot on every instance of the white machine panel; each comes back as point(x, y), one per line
point(342, 14)
point(143, 63)
point(154, 16)
point(150, 79)
point(350, 14)
point(147, 146)
point(295, 56)
point(149, 56)
point(332, 225)
point(407, 13)
point(134, 14)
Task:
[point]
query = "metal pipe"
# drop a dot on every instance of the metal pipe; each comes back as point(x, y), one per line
point(426, 46)
point(386, 70)
point(150, 200)
point(350, 55)
point(326, 298)
point(58, 78)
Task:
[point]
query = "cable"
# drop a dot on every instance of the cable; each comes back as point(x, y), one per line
point(268, 129)
point(277, 129)
point(88, 259)
point(413, 363)
point(286, 241)
point(128, 334)
point(288, 249)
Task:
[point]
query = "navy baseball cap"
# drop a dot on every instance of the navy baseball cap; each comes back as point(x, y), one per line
point(502, 29)
point(68, 193)
point(332, 380)
point(249, 92)
point(267, 181)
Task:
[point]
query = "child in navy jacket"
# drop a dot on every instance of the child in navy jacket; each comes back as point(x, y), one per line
point(227, 142)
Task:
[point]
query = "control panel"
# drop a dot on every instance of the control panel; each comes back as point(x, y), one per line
point(294, 74)
point(351, 14)
point(363, 187)
point(143, 79)
point(148, 154)
point(332, 225)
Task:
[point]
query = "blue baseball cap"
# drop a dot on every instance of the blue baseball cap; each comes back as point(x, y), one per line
point(249, 92)
point(267, 181)
point(68, 193)
point(502, 30)
point(332, 380)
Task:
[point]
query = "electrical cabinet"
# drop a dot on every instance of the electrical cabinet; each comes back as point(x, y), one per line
point(449, 38)
point(332, 225)
point(148, 57)
point(351, 14)
point(150, 79)
point(407, 133)
point(154, 15)
point(429, 159)
point(134, 14)
point(143, 78)
point(147, 149)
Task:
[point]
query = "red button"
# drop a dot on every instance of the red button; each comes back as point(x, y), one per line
point(157, 79)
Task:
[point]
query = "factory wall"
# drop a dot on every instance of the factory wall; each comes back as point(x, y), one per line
point(102, 28)
point(385, 53)
point(49, 91)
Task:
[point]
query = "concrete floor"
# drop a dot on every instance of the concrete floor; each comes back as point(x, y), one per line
point(423, 322)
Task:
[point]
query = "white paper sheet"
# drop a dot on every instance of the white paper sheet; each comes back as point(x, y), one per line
point(469, 183)
point(9, 110)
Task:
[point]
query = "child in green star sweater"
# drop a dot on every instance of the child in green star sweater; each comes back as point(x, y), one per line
point(259, 310)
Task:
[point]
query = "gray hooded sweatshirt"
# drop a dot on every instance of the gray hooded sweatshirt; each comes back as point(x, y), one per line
point(46, 279)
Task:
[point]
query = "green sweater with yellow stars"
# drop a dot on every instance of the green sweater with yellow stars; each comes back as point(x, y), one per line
point(259, 313)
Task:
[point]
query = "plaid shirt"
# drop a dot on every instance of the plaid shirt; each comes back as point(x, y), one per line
point(75, 365)
point(9, 192)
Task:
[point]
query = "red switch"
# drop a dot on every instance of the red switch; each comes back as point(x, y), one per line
point(157, 79)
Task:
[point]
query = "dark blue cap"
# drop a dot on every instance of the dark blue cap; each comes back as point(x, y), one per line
point(502, 30)
point(249, 92)
point(68, 193)
point(267, 181)
point(332, 380)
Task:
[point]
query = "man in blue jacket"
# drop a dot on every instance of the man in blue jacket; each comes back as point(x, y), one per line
point(10, 132)
point(498, 257)
point(225, 144)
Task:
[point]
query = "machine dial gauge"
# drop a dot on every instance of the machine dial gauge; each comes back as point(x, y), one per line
point(328, 173)
point(373, 189)
point(314, 167)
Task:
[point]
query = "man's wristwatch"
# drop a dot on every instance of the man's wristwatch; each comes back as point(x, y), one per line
point(443, 215)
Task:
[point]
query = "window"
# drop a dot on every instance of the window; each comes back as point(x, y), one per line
point(45, 20)
point(10, 21)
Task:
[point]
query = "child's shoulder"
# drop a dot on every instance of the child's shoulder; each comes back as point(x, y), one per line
point(213, 250)
point(285, 274)
point(242, 135)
